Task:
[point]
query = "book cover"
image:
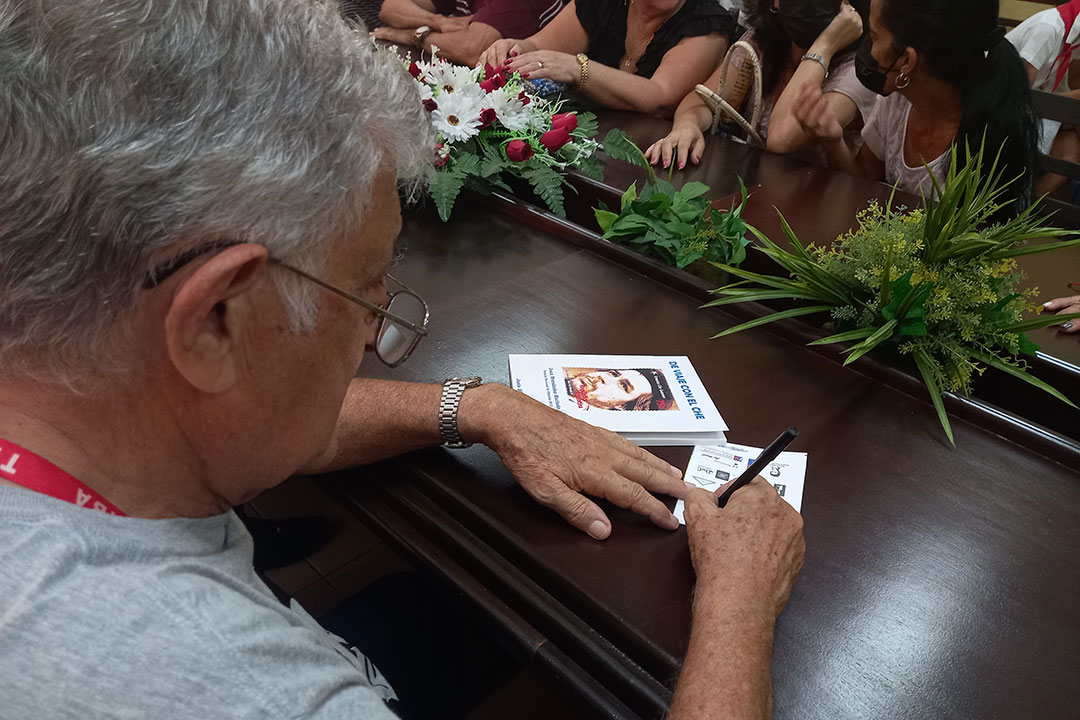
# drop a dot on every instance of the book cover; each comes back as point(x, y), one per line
point(657, 400)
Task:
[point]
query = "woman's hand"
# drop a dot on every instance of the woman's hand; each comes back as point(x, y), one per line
point(844, 29)
point(558, 66)
point(497, 54)
point(683, 142)
point(1064, 306)
point(816, 117)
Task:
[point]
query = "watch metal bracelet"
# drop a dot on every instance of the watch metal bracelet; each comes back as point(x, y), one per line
point(819, 60)
point(453, 389)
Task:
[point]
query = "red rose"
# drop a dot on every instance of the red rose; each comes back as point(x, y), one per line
point(555, 138)
point(523, 98)
point(493, 83)
point(487, 116)
point(518, 150)
point(442, 156)
point(430, 105)
point(414, 70)
point(564, 120)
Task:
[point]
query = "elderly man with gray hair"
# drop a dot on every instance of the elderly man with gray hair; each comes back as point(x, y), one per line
point(198, 203)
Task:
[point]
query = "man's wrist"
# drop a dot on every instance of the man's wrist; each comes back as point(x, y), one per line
point(479, 412)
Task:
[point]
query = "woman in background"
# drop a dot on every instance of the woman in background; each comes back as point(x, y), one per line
point(642, 55)
point(948, 76)
point(799, 43)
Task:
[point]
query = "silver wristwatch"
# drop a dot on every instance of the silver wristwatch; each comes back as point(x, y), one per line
point(453, 389)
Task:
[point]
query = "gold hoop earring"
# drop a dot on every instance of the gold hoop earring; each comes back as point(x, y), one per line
point(902, 80)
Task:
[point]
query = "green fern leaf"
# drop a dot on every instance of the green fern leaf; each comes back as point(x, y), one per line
point(548, 184)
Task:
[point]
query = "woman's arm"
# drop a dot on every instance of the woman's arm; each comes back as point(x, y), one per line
point(686, 141)
point(682, 67)
point(786, 134)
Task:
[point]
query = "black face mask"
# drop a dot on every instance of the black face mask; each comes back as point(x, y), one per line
point(804, 20)
point(870, 74)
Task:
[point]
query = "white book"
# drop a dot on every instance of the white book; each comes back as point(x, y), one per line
point(648, 399)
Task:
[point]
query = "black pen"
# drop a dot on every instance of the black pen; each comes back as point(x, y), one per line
point(767, 456)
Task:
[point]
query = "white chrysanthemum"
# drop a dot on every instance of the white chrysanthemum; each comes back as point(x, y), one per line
point(453, 79)
point(509, 110)
point(458, 116)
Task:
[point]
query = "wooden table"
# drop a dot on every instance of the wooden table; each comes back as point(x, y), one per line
point(939, 581)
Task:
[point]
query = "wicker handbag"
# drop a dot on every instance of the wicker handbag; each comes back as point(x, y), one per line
point(747, 82)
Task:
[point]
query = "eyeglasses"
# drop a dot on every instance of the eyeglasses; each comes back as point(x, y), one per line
point(403, 321)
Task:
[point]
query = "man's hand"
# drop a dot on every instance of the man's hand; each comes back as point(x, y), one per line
point(752, 548)
point(746, 557)
point(558, 459)
point(401, 36)
point(1065, 306)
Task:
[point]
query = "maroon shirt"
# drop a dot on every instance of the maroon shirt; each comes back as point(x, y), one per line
point(512, 18)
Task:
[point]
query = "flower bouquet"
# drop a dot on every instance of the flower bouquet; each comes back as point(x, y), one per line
point(490, 129)
point(937, 285)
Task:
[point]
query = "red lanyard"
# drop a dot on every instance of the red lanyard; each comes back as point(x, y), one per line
point(34, 472)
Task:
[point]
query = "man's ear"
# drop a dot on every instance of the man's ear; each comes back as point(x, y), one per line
point(211, 315)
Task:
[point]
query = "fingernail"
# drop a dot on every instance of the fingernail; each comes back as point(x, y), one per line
point(682, 165)
point(1067, 326)
point(525, 75)
point(674, 522)
point(689, 485)
point(666, 165)
point(675, 471)
point(1048, 303)
point(598, 530)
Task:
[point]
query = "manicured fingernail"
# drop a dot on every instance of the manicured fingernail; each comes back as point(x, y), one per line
point(1067, 326)
point(598, 530)
point(682, 165)
point(666, 165)
point(525, 75)
point(1048, 303)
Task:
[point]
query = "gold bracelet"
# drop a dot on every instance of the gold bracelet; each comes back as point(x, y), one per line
point(583, 60)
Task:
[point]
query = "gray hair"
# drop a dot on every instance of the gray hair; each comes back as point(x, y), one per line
point(136, 130)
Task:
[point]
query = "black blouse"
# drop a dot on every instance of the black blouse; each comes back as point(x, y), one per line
point(604, 22)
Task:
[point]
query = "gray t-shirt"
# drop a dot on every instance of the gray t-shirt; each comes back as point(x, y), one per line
point(112, 617)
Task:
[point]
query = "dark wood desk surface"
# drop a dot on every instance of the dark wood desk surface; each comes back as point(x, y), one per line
point(939, 581)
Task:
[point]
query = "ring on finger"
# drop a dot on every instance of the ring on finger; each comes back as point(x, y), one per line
point(540, 64)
